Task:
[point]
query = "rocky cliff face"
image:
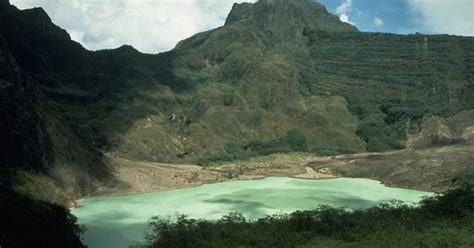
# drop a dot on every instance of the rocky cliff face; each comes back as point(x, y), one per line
point(437, 132)
point(24, 142)
point(35, 136)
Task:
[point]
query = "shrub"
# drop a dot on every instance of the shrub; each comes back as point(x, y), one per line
point(294, 141)
point(297, 140)
point(440, 221)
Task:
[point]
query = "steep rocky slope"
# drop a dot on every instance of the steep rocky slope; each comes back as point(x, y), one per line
point(35, 137)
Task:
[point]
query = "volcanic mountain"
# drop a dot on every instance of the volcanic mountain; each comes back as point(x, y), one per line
point(279, 76)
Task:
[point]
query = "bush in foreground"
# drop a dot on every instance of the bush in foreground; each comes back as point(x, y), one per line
point(440, 221)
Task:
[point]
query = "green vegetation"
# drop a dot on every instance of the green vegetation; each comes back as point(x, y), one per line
point(294, 141)
point(383, 127)
point(385, 89)
point(297, 140)
point(465, 177)
point(441, 221)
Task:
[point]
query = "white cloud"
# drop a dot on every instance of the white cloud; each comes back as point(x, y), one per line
point(148, 25)
point(378, 22)
point(343, 11)
point(442, 16)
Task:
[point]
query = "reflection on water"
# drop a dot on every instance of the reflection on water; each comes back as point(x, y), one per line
point(118, 221)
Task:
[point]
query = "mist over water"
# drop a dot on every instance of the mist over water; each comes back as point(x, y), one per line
point(119, 221)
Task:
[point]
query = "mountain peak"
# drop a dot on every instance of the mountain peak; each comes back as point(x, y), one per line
point(288, 14)
point(128, 48)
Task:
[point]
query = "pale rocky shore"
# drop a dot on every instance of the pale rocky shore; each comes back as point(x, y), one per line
point(141, 177)
point(427, 169)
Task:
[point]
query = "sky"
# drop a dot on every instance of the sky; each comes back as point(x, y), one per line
point(154, 26)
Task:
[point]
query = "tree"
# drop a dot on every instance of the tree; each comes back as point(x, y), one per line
point(297, 140)
point(465, 177)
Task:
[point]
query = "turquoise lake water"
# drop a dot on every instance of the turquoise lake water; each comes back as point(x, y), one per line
point(119, 221)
